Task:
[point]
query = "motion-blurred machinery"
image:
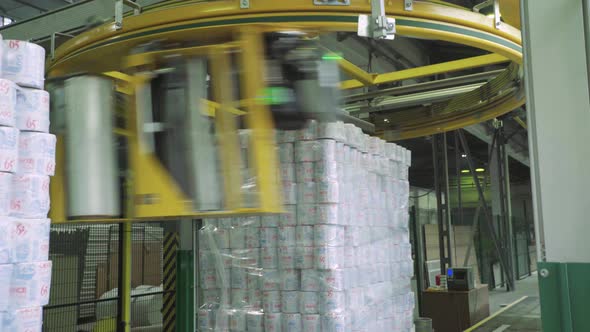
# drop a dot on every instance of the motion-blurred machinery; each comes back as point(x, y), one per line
point(180, 152)
point(153, 109)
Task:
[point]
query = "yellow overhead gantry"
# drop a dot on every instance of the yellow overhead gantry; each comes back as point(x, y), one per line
point(216, 22)
point(208, 29)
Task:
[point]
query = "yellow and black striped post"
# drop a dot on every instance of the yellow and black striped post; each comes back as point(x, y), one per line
point(169, 299)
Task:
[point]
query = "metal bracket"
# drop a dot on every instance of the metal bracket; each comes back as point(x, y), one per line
point(52, 47)
point(497, 124)
point(331, 2)
point(497, 15)
point(409, 5)
point(119, 8)
point(244, 4)
point(377, 25)
point(496, 4)
point(477, 8)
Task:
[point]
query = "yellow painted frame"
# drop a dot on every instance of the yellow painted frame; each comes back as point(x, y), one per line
point(155, 194)
point(365, 79)
point(105, 50)
point(216, 22)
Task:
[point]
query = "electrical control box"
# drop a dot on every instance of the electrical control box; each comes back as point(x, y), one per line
point(460, 278)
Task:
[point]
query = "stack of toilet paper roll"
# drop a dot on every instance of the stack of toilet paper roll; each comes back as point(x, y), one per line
point(338, 260)
point(27, 160)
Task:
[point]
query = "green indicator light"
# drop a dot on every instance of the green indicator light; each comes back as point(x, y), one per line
point(331, 57)
point(275, 96)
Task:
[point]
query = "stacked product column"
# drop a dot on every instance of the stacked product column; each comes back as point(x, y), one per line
point(339, 260)
point(27, 158)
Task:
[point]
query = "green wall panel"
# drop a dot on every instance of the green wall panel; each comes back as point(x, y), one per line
point(185, 314)
point(565, 296)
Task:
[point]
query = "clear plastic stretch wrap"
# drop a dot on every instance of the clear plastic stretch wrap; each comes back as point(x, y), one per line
point(5, 196)
point(23, 63)
point(29, 285)
point(22, 319)
point(30, 196)
point(36, 154)
point(338, 260)
point(27, 160)
point(32, 110)
point(7, 102)
point(9, 139)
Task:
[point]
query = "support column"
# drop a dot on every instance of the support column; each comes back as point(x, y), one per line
point(124, 288)
point(441, 188)
point(487, 214)
point(170, 249)
point(501, 202)
point(185, 288)
point(558, 106)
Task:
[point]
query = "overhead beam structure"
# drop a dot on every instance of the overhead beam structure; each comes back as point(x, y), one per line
point(365, 79)
point(32, 5)
point(70, 18)
point(214, 23)
point(481, 132)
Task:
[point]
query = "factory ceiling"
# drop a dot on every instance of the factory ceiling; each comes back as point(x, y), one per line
point(20, 10)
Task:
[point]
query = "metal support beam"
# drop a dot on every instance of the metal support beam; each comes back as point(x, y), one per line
point(424, 87)
point(507, 202)
point(32, 5)
point(120, 8)
point(53, 39)
point(475, 222)
point(377, 25)
point(497, 16)
point(67, 19)
point(124, 289)
point(487, 214)
point(477, 8)
point(480, 131)
point(185, 288)
point(473, 231)
point(417, 240)
point(458, 159)
point(356, 72)
point(441, 187)
point(500, 182)
point(430, 70)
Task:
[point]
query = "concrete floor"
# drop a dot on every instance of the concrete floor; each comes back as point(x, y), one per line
point(525, 316)
point(525, 287)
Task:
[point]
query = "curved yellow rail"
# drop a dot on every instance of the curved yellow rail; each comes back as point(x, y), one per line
point(216, 22)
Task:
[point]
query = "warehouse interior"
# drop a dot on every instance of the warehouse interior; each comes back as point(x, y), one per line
point(297, 166)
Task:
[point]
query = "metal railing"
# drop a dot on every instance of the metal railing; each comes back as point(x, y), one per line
point(84, 288)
